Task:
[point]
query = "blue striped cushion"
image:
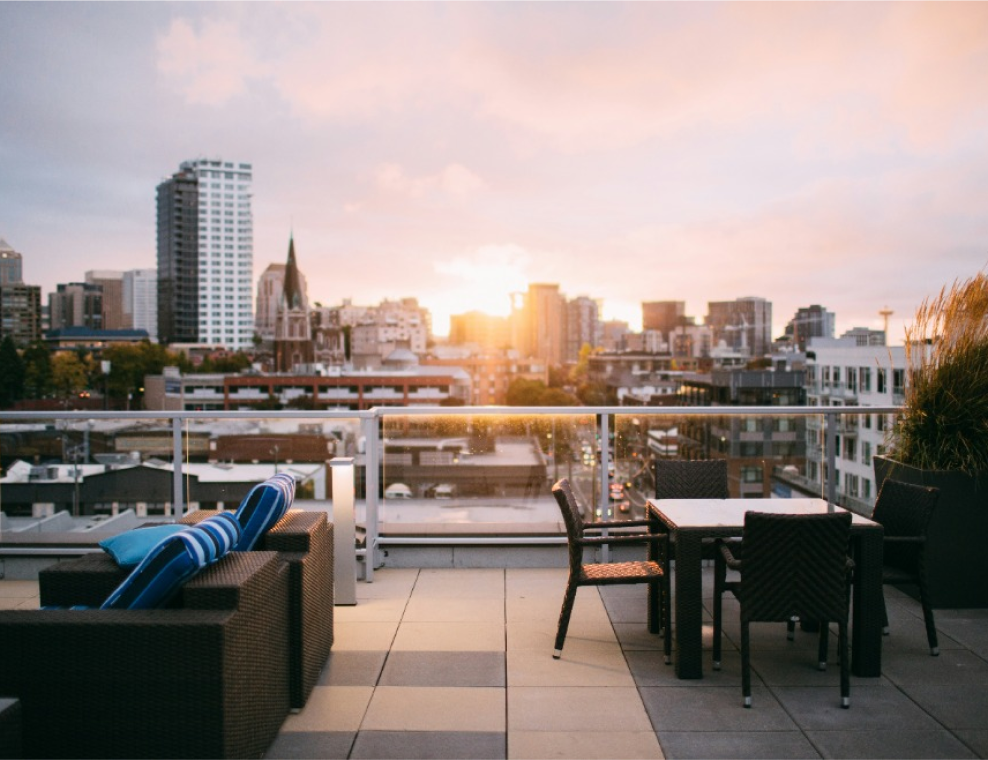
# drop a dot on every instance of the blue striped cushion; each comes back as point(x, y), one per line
point(266, 503)
point(173, 562)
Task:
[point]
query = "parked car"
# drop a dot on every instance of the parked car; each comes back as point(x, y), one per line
point(397, 491)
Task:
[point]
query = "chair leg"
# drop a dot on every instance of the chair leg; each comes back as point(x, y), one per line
point(885, 616)
point(720, 575)
point(791, 628)
point(931, 629)
point(667, 617)
point(564, 616)
point(824, 645)
point(845, 665)
point(745, 663)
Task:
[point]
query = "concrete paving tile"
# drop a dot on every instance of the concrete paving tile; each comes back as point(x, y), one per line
point(389, 582)
point(799, 667)
point(371, 610)
point(588, 606)
point(956, 706)
point(430, 745)
point(627, 609)
point(818, 709)
point(976, 740)
point(437, 609)
point(952, 666)
point(371, 635)
point(583, 745)
point(19, 603)
point(331, 708)
point(21, 589)
point(444, 669)
point(541, 635)
point(352, 668)
point(751, 745)
point(889, 745)
point(582, 664)
point(410, 708)
point(464, 583)
point(636, 636)
point(311, 745)
point(712, 708)
point(449, 637)
point(576, 708)
point(524, 582)
point(963, 631)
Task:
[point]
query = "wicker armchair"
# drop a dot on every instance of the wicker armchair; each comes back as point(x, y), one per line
point(794, 565)
point(206, 679)
point(302, 539)
point(905, 511)
point(609, 573)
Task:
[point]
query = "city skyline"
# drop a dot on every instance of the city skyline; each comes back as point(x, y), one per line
point(823, 153)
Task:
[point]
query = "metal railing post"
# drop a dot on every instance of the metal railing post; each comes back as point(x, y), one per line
point(372, 458)
point(831, 458)
point(177, 496)
point(603, 493)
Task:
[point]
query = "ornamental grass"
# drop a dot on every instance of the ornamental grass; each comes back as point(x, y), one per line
point(943, 424)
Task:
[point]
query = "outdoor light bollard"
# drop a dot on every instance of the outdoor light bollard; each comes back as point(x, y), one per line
point(344, 532)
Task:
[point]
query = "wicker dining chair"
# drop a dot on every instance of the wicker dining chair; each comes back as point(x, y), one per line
point(905, 511)
point(683, 479)
point(793, 565)
point(606, 573)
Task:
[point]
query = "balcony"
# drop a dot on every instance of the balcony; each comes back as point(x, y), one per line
point(447, 652)
point(457, 663)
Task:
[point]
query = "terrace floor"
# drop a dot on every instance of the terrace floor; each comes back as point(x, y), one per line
point(458, 663)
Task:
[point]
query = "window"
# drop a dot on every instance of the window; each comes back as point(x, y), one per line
point(751, 474)
point(880, 381)
point(866, 453)
point(849, 449)
point(898, 381)
point(836, 375)
point(852, 379)
point(864, 374)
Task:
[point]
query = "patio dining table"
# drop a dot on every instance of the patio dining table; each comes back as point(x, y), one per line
point(690, 521)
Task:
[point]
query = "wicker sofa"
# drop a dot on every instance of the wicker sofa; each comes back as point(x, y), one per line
point(304, 540)
point(204, 678)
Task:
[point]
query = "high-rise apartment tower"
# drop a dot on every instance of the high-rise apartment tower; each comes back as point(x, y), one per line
point(206, 255)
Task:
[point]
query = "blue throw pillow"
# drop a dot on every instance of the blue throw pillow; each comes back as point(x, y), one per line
point(129, 548)
point(174, 561)
point(264, 505)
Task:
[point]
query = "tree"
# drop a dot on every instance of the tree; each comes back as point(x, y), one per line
point(37, 371)
point(69, 374)
point(11, 374)
point(525, 392)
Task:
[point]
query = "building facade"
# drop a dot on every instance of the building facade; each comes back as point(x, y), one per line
point(810, 322)
point(76, 304)
point(582, 326)
point(20, 304)
point(663, 316)
point(841, 372)
point(111, 284)
point(205, 255)
point(140, 301)
point(743, 325)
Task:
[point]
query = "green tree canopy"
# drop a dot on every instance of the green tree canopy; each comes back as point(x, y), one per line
point(11, 373)
point(37, 371)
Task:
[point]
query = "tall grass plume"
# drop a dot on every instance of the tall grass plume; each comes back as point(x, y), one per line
point(943, 424)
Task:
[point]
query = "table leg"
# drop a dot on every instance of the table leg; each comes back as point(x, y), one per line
point(689, 606)
point(866, 621)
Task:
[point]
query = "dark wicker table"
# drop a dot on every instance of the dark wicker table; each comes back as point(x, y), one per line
point(692, 520)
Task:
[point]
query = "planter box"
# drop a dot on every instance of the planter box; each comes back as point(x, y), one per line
point(956, 556)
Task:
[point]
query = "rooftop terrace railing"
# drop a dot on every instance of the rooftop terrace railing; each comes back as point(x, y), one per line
point(430, 474)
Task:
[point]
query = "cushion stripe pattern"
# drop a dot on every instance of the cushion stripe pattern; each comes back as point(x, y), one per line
point(264, 505)
point(173, 562)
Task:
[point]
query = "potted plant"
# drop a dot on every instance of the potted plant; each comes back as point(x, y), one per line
point(940, 437)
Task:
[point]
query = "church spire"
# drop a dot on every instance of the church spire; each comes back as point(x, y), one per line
point(293, 295)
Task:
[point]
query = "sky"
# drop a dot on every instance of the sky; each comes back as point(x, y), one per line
point(807, 153)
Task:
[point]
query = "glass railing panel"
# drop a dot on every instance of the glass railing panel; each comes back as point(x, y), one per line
point(482, 468)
